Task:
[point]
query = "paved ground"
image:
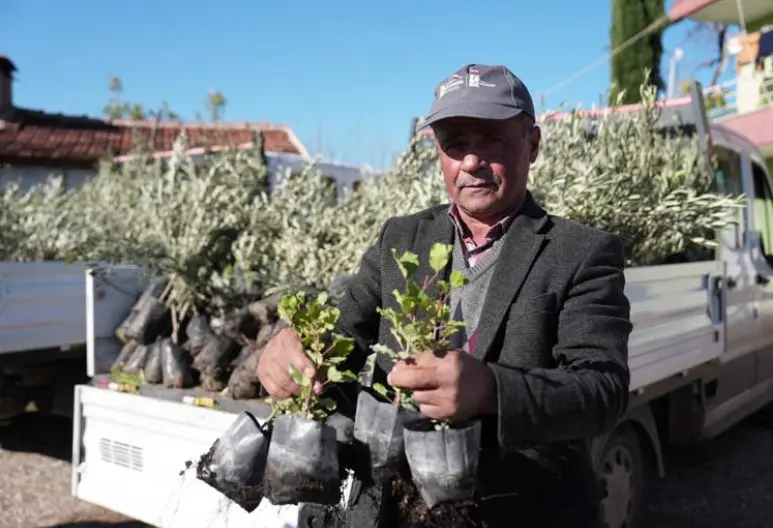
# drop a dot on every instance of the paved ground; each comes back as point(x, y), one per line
point(35, 479)
point(727, 483)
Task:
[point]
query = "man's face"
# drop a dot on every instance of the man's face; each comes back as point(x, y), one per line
point(486, 162)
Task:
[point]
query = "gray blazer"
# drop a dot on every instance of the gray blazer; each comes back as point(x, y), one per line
point(554, 330)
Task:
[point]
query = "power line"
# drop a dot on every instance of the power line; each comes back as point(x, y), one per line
point(640, 35)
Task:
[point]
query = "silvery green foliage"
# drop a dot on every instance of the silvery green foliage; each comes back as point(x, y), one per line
point(633, 181)
point(211, 225)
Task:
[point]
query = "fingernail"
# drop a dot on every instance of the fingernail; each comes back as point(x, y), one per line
point(308, 372)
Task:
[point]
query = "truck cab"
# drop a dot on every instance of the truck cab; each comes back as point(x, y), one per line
point(701, 402)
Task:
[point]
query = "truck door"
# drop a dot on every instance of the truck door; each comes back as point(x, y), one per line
point(762, 257)
point(739, 361)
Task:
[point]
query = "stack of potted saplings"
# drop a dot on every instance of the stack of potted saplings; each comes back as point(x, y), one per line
point(442, 456)
point(293, 458)
point(182, 345)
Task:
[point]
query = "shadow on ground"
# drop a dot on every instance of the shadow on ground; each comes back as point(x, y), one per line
point(723, 483)
point(38, 433)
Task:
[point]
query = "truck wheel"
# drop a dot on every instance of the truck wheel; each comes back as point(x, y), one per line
point(621, 468)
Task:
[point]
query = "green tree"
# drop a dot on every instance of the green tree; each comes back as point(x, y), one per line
point(629, 66)
point(117, 108)
point(215, 104)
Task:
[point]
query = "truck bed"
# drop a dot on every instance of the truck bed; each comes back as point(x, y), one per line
point(136, 454)
point(159, 392)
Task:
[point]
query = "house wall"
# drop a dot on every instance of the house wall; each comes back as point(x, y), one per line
point(28, 177)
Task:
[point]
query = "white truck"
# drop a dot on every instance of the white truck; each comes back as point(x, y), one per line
point(701, 359)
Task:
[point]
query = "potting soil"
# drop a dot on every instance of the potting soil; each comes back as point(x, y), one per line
point(235, 464)
point(302, 463)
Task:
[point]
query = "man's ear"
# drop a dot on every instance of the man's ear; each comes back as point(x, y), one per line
point(535, 137)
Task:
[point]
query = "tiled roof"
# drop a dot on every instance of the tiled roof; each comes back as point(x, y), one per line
point(34, 137)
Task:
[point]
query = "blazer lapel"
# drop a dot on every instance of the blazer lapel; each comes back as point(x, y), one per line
point(522, 244)
point(431, 231)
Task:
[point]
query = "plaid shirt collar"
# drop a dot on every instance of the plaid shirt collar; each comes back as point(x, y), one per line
point(494, 233)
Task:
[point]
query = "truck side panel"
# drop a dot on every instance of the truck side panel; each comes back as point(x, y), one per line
point(39, 306)
point(677, 318)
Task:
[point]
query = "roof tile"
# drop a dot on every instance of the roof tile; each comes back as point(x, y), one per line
point(30, 136)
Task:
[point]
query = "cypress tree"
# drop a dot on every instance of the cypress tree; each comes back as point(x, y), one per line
point(629, 17)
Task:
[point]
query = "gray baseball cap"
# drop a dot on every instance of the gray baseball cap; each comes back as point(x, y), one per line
point(482, 92)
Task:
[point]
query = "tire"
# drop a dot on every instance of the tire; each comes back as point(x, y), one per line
point(621, 467)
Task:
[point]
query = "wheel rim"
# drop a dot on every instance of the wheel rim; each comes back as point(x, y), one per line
point(617, 470)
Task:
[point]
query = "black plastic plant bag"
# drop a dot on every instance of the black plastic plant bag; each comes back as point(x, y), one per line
point(120, 332)
point(265, 311)
point(153, 373)
point(243, 382)
point(302, 463)
point(236, 462)
point(214, 361)
point(124, 355)
point(240, 324)
point(150, 318)
point(175, 365)
point(378, 429)
point(443, 462)
point(198, 332)
point(136, 361)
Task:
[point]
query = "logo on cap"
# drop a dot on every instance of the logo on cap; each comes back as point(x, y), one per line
point(453, 83)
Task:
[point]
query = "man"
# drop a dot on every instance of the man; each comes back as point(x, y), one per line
point(544, 363)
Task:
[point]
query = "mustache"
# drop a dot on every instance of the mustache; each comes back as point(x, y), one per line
point(465, 179)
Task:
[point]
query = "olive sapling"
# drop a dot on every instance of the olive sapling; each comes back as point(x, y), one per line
point(313, 321)
point(302, 463)
point(443, 457)
point(423, 322)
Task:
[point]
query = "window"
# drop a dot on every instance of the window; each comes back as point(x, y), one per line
point(763, 211)
point(728, 172)
point(728, 180)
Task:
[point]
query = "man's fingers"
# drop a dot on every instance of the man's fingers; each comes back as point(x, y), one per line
point(434, 412)
point(427, 397)
point(292, 350)
point(275, 389)
point(279, 372)
point(413, 377)
point(282, 352)
point(425, 359)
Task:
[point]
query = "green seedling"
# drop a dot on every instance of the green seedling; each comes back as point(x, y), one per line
point(314, 321)
point(422, 321)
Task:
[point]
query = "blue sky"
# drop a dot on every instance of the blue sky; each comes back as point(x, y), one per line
point(347, 76)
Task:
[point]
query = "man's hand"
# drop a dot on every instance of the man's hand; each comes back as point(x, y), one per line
point(283, 350)
point(453, 387)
